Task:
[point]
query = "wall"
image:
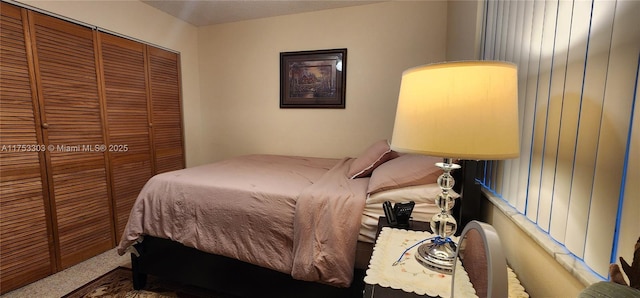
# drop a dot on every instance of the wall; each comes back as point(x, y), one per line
point(240, 77)
point(234, 107)
point(537, 269)
point(138, 20)
point(464, 26)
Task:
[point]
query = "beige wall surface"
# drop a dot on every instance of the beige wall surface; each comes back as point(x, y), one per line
point(539, 273)
point(239, 73)
point(138, 20)
point(230, 72)
point(464, 26)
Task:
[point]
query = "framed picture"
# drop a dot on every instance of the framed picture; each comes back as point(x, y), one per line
point(313, 79)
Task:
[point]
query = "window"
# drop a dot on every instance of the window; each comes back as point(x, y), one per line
point(578, 75)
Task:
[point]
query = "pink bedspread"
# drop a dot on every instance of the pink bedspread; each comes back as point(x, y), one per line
point(296, 215)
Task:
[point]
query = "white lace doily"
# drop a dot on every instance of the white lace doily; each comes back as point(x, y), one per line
point(409, 275)
point(516, 290)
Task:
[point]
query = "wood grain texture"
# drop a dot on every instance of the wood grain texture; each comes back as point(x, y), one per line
point(25, 249)
point(123, 66)
point(66, 89)
point(164, 74)
point(69, 97)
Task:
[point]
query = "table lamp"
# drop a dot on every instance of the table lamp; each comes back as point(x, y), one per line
point(455, 110)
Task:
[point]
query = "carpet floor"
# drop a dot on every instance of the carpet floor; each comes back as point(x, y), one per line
point(118, 283)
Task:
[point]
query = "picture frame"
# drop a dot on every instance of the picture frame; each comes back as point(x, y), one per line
point(313, 79)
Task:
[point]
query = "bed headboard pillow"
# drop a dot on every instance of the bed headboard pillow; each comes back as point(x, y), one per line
point(425, 193)
point(377, 154)
point(405, 170)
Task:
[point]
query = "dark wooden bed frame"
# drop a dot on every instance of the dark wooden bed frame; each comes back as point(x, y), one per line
point(164, 258)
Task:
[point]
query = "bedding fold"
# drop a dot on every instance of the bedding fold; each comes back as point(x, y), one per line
point(326, 227)
point(295, 215)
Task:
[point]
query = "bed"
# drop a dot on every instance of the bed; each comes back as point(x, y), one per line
point(313, 219)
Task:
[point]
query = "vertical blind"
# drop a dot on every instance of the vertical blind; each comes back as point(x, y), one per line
point(577, 69)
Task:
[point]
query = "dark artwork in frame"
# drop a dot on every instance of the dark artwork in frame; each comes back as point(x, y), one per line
point(313, 79)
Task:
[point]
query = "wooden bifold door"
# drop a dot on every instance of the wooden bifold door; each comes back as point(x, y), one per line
point(86, 118)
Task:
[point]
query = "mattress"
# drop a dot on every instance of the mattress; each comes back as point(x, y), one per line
point(296, 215)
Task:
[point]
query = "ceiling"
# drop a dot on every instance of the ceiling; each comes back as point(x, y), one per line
point(211, 12)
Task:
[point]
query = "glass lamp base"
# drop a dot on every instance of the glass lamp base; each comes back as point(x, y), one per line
point(438, 255)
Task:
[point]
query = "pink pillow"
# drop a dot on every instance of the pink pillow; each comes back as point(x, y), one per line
point(378, 153)
point(406, 170)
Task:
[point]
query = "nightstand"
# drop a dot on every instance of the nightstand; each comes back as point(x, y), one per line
point(377, 291)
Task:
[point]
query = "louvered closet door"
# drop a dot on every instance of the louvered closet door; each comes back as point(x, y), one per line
point(164, 73)
point(68, 86)
point(26, 251)
point(127, 121)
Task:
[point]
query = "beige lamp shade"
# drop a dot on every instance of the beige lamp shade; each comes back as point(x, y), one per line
point(466, 110)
